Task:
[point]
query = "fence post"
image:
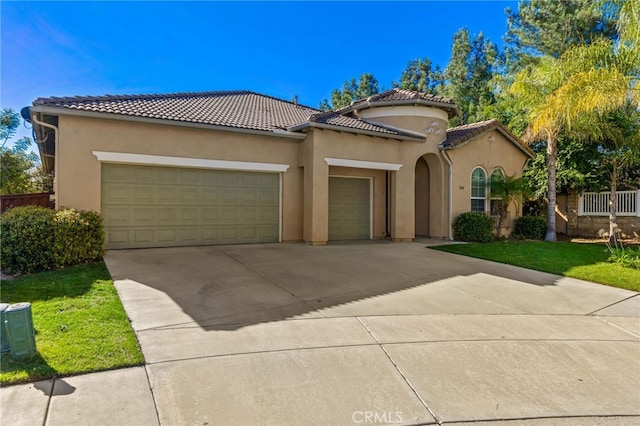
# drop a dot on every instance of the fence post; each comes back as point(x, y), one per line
point(637, 202)
point(580, 205)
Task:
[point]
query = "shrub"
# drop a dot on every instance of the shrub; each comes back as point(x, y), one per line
point(530, 228)
point(473, 227)
point(26, 239)
point(625, 256)
point(78, 237)
point(37, 239)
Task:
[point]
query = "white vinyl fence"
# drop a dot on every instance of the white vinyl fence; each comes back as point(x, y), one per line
point(597, 203)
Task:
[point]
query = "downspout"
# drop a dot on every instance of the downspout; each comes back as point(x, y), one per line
point(450, 164)
point(55, 151)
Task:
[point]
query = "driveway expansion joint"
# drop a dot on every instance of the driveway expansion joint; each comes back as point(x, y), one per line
point(153, 394)
point(404, 377)
point(614, 303)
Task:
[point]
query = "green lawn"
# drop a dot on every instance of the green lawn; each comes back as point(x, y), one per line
point(79, 321)
point(584, 261)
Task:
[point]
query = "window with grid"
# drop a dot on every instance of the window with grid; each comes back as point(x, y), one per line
point(478, 190)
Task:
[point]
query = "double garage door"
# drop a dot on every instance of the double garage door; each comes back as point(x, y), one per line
point(149, 206)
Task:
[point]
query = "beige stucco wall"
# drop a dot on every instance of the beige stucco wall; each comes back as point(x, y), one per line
point(378, 177)
point(323, 144)
point(79, 171)
point(305, 183)
point(417, 119)
point(488, 154)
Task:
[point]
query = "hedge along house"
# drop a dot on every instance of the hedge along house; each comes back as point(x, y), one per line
point(240, 167)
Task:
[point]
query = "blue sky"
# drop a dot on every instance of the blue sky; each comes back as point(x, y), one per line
point(280, 49)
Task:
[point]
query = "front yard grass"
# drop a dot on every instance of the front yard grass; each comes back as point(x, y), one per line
point(79, 321)
point(583, 261)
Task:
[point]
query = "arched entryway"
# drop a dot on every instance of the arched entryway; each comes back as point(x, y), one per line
point(422, 197)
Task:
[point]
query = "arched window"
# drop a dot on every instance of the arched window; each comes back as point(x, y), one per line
point(496, 201)
point(478, 190)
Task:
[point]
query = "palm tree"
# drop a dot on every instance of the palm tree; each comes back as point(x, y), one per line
point(580, 90)
point(600, 96)
point(510, 189)
point(534, 86)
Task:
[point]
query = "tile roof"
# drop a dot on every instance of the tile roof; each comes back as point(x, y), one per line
point(403, 96)
point(457, 136)
point(333, 118)
point(239, 109)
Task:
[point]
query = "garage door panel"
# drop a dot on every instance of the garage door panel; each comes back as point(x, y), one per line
point(168, 195)
point(144, 216)
point(189, 216)
point(118, 194)
point(116, 216)
point(189, 177)
point(168, 235)
point(189, 195)
point(117, 173)
point(189, 235)
point(148, 206)
point(143, 194)
point(209, 195)
point(143, 235)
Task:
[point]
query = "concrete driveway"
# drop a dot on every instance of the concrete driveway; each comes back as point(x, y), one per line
point(375, 333)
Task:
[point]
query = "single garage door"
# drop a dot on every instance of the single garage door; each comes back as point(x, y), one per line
point(149, 206)
point(349, 208)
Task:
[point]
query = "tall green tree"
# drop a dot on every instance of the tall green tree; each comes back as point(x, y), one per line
point(352, 90)
point(544, 27)
point(20, 170)
point(532, 87)
point(577, 168)
point(421, 76)
point(550, 27)
point(468, 75)
point(9, 122)
point(589, 89)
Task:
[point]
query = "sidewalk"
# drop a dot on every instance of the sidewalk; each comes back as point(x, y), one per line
point(118, 397)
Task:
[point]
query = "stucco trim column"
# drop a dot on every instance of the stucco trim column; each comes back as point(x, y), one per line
point(403, 208)
point(316, 196)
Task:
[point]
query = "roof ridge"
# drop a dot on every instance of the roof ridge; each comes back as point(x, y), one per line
point(150, 96)
point(321, 114)
point(474, 125)
point(124, 97)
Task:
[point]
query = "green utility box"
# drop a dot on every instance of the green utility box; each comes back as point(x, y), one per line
point(19, 325)
point(4, 340)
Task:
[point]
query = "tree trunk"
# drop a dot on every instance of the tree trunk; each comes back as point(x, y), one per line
point(613, 206)
point(552, 152)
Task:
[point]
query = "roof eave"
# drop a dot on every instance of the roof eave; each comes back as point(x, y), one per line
point(133, 118)
point(425, 102)
point(503, 131)
point(306, 125)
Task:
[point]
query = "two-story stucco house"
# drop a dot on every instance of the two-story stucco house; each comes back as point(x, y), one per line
point(241, 167)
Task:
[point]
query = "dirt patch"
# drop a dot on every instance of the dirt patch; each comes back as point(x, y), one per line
point(587, 240)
